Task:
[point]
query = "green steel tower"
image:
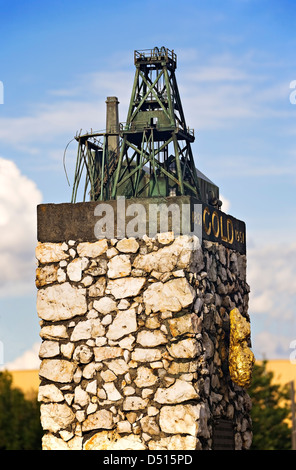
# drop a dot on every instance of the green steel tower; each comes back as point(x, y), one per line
point(155, 157)
point(150, 154)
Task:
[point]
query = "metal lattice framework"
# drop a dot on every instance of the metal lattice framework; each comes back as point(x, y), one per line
point(155, 157)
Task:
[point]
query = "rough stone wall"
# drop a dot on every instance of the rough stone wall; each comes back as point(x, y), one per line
point(135, 340)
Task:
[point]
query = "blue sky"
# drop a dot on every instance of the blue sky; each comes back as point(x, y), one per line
point(236, 60)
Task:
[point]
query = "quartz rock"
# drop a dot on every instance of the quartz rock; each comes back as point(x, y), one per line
point(119, 266)
point(50, 252)
point(101, 419)
point(148, 338)
point(126, 287)
point(145, 377)
point(185, 349)
point(74, 270)
point(124, 323)
point(60, 302)
point(50, 393)
point(46, 275)
point(105, 305)
point(146, 355)
point(97, 289)
point(92, 250)
point(172, 295)
point(82, 354)
point(57, 370)
point(87, 329)
point(128, 245)
point(175, 256)
point(135, 403)
point(56, 416)
point(111, 440)
point(178, 392)
point(49, 349)
point(54, 332)
point(179, 419)
point(175, 442)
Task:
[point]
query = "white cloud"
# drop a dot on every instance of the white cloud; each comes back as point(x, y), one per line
point(28, 360)
point(19, 197)
point(215, 93)
point(225, 204)
point(271, 346)
point(272, 279)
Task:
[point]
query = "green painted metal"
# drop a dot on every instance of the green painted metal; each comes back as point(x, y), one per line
point(155, 132)
point(154, 157)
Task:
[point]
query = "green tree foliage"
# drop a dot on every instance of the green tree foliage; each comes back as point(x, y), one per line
point(20, 427)
point(270, 410)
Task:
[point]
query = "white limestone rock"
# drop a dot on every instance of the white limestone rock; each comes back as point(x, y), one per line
point(81, 397)
point(153, 338)
point(123, 324)
point(119, 266)
point(53, 332)
point(57, 370)
point(187, 348)
point(60, 302)
point(146, 355)
point(186, 324)
point(179, 419)
point(112, 392)
point(46, 275)
point(92, 250)
point(135, 403)
point(101, 419)
point(178, 255)
point(49, 393)
point(125, 287)
point(51, 442)
point(82, 354)
point(88, 329)
point(49, 349)
point(172, 296)
point(179, 392)
point(50, 252)
point(98, 288)
point(56, 416)
point(74, 270)
point(112, 440)
point(104, 305)
point(145, 377)
point(128, 245)
point(103, 353)
point(175, 442)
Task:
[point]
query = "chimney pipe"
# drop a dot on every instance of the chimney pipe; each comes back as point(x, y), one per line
point(112, 123)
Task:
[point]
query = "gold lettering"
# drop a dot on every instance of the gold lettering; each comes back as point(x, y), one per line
point(230, 226)
point(207, 228)
point(215, 231)
point(224, 238)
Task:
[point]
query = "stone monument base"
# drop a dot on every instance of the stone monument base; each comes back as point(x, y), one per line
point(135, 344)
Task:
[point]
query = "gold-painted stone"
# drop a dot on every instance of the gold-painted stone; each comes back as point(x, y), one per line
point(241, 358)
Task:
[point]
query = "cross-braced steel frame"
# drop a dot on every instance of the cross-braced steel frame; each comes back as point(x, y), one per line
point(155, 138)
